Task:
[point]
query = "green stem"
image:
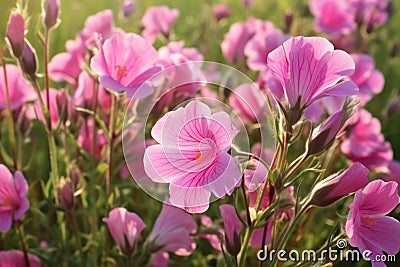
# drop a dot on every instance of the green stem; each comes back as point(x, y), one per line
point(46, 77)
point(77, 238)
point(245, 246)
point(53, 162)
point(23, 244)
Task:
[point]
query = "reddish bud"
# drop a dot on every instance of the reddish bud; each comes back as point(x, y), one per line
point(50, 13)
point(16, 33)
point(66, 195)
point(28, 60)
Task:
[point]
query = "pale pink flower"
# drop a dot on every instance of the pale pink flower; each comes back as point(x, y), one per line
point(369, 80)
point(333, 16)
point(235, 41)
point(309, 68)
point(368, 227)
point(249, 102)
point(16, 33)
point(19, 89)
point(125, 227)
point(214, 239)
point(122, 66)
point(193, 156)
point(233, 227)
point(266, 39)
point(335, 187)
point(158, 20)
point(98, 28)
point(172, 231)
point(16, 258)
point(13, 201)
point(86, 138)
point(35, 111)
point(365, 143)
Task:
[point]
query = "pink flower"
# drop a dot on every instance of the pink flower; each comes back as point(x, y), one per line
point(16, 33)
point(19, 89)
point(86, 138)
point(333, 16)
point(309, 68)
point(172, 231)
point(249, 102)
point(98, 28)
point(233, 227)
point(16, 258)
point(51, 11)
point(365, 143)
point(125, 227)
point(35, 111)
point(369, 80)
point(368, 227)
point(235, 41)
point(192, 156)
point(370, 12)
point(214, 239)
point(122, 66)
point(266, 39)
point(128, 6)
point(13, 201)
point(394, 172)
point(158, 20)
point(335, 187)
point(160, 260)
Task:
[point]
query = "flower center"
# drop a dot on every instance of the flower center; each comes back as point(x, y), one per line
point(369, 221)
point(121, 71)
point(7, 201)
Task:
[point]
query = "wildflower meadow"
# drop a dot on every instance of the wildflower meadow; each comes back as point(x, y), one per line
point(199, 133)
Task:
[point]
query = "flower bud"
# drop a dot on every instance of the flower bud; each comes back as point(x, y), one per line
point(233, 227)
point(221, 11)
point(288, 21)
point(323, 137)
point(66, 195)
point(50, 13)
point(28, 60)
point(335, 187)
point(128, 6)
point(16, 33)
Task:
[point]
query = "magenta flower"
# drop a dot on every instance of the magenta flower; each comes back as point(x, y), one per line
point(394, 172)
point(19, 89)
point(233, 227)
point(122, 66)
point(335, 187)
point(192, 156)
point(309, 68)
point(125, 227)
point(15, 258)
point(158, 20)
point(249, 102)
point(16, 33)
point(369, 80)
point(368, 227)
point(172, 231)
point(13, 201)
point(235, 41)
point(160, 260)
point(365, 143)
point(372, 13)
point(266, 39)
point(333, 16)
point(98, 28)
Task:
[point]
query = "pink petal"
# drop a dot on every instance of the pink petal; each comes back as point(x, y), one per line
point(191, 199)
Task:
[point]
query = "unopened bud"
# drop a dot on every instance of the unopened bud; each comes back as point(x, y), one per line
point(65, 195)
point(221, 11)
point(50, 13)
point(28, 60)
point(128, 6)
point(395, 50)
point(16, 33)
point(288, 21)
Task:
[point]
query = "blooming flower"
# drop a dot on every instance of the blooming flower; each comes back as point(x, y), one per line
point(86, 138)
point(192, 156)
point(19, 89)
point(125, 227)
point(233, 227)
point(171, 231)
point(365, 143)
point(98, 28)
point(15, 258)
point(366, 77)
point(35, 111)
point(368, 227)
point(158, 20)
point(333, 16)
point(335, 187)
point(13, 201)
point(235, 41)
point(394, 172)
point(309, 68)
point(122, 66)
point(372, 13)
point(16, 33)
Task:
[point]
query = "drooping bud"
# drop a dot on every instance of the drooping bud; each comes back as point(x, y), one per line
point(233, 227)
point(335, 187)
point(323, 136)
point(51, 11)
point(28, 60)
point(16, 33)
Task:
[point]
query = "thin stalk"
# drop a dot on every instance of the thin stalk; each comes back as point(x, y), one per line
point(53, 162)
point(76, 235)
point(11, 130)
point(23, 244)
point(245, 246)
point(46, 75)
point(249, 223)
point(113, 113)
